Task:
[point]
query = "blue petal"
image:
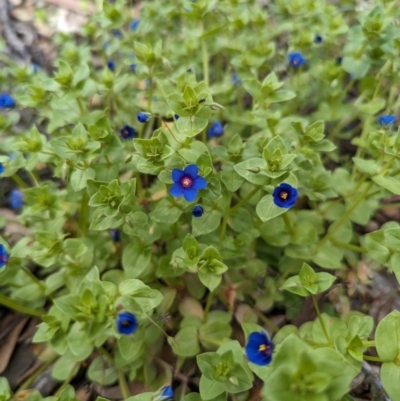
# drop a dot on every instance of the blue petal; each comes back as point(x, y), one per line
point(192, 171)
point(199, 183)
point(176, 190)
point(177, 175)
point(190, 194)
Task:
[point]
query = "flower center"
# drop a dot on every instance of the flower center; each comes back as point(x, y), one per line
point(125, 132)
point(264, 348)
point(186, 182)
point(3, 258)
point(284, 195)
point(126, 323)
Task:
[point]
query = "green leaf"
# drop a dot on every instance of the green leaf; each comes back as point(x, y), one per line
point(253, 170)
point(210, 389)
point(387, 338)
point(79, 178)
point(186, 343)
point(135, 259)
point(103, 372)
point(207, 223)
point(267, 210)
point(389, 183)
point(390, 375)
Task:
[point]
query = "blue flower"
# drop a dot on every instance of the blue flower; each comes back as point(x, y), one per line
point(235, 80)
point(385, 121)
point(111, 65)
point(197, 211)
point(176, 116)
point(128, 132)
point(285, 195)
point(187, 182)
point(134, 24)
point(36, 68)
point(339, 60)
point(1, 168)
point(126, 323)
point(318, 39)
point(296, 59)
point(3, 255)
point(6, 101)
point(115, 235)
point(216, 130)
point(117, 33)
point(132, 67)
point(143, 117)
point(259, 348)
point(16, 199)
point(167, 393)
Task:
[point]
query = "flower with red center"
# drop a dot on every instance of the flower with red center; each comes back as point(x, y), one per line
point(187, 182)
point(259, 348)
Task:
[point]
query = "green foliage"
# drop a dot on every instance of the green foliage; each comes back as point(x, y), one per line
point(103, 233)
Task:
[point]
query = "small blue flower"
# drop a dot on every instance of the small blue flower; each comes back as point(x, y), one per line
point(16, 199)
point(176, 116)
point(134, 24)
point(285, 195)
point(318, 39)
point(36, 68)
point(3, 255)
point(1, 168)
point(197, 211)
point(167, 393)
point(386, 120)
point(116, 235)
point(117, 33)
point(111, 65)
point(128, 132)
point(339, 60)
point(296, 59)
point(235, 79)
point(143, 117)
point(126, 323)
point(6, 101)
point(132, 67)
point(216, 130)
point(259, 348)
point(187, 182)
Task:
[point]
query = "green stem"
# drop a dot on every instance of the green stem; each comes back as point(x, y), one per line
point(224, 222)
point(67, 380)
point(139, 185)
point(9, 303)
point(84, 213)
point(245, 199)
point(368, 343)
point(204, 53)
point(150, 94)
point(19, 181)
point(210, 298)
point(33, 278)
point(33, 178)
point(335, 226)
point(158, 326)
point(320, 317)
point(372, 358)
point(268, 322)
point(81, 106)
point(352, 247)
point(288, 223)
point(28, 382)
point(123, 384)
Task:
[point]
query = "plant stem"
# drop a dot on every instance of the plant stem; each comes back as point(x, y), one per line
point(288, 223)
point(67, 380)
point(339, 222)
point(33, 178)
point(268, 322)
point(210, 298)
point(19, 181)
point(158, 326)
point(84, 213)
point(245, 199)
point(224, 222)
point(320, 317)
point(123, 384)
point(10, 303)
point(80, 104)
point(369, 343)
point(33, 277)
point(205, 60)
point(372, 358)
point(352, 247)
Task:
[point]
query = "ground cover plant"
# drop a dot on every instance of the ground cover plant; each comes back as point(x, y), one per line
point(196, 179)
